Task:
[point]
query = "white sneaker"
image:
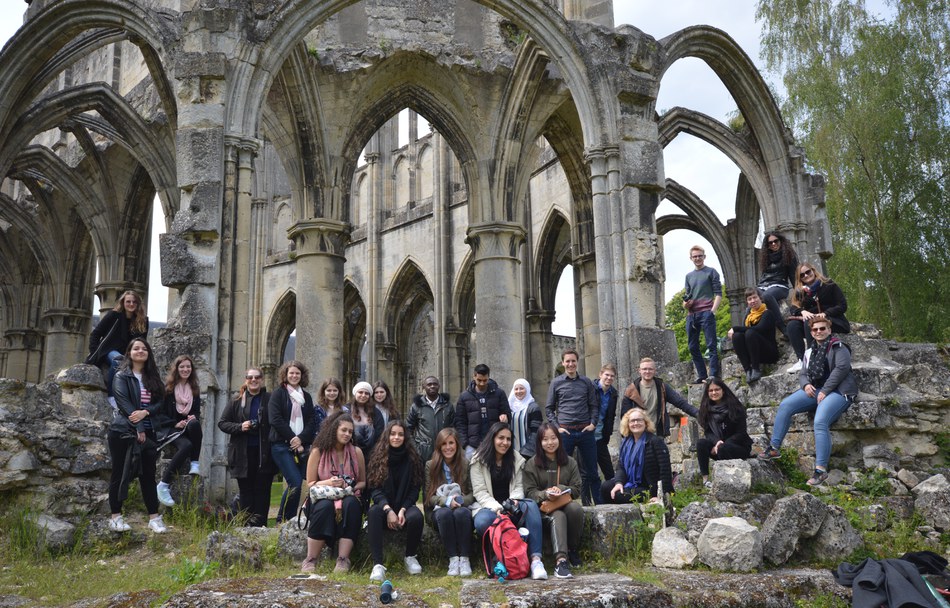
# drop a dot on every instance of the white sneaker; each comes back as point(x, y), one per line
point(157, 526)
point(117, 524)
point(412, 565)
point(194, 468)
point(538, 572)
point(465, 567)
point(164, 495)
point(453, 566)
point(797, 367)
point(379, 573)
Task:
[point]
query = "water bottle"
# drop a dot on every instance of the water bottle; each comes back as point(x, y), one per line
point(524, 533)
point(500, 572)
point(386, 592)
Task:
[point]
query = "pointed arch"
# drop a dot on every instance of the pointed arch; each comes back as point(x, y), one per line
point(553, 256)
point(280, 324)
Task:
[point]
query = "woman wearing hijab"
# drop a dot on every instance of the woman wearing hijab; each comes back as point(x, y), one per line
point(526, 417)
point(293, 425)
point(723, 420)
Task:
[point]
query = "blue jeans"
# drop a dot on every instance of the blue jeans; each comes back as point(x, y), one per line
point(293, 474)
point(704, 322)
point(586, 444)
point(829, 410)
point(114, 358)
point(531, 520)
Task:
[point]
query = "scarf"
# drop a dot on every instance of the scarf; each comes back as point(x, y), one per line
point(718, 414)
point(328, 467)
point(811, 293)
point(631, 456)
point(183, 398)
point(755, 314)
point(818, 364)
point(296, 412)
point(516, 404)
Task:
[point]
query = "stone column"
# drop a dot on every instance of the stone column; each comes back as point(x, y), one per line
point(24, 347)
point(540, 339)
point(736, 305)
point(441, 288)
point(376, 190)
point(320, 244)
point(257, 253)
point(585, 276)
point(67, 331)
point(498, 297)
point(458, 364)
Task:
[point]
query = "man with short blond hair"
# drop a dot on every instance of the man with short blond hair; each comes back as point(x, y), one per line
point(607, 399)
point(702, 297)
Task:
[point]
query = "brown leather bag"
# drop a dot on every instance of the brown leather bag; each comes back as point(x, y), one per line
point(553, 504)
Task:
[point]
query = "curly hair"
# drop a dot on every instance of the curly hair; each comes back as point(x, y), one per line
point(733, 405)
point(326, 438)
point(139, 321)
point(458, 467)
point(304, 373)
point(151, 378)
point(540, 458)
point(784, 245)
point(378, 466)
point(173, 377)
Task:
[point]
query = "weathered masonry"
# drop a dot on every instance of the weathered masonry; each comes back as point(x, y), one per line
point(265, 130)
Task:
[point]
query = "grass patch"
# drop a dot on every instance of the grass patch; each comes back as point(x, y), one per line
point(787, 463)
point(874, 483)
point(822, 600)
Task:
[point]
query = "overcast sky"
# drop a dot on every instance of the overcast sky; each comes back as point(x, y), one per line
point(689, 83)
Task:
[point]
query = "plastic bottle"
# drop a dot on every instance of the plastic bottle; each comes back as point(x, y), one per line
point(386, 594)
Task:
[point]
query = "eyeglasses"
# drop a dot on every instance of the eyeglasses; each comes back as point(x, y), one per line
point(806, 273)
point(697, 257)
point(249, 377)
point(815, 330)
point(637, 421)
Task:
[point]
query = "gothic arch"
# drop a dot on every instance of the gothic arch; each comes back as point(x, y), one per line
point(409, 322)
point(755, 101)
point(463, 293)
point(280, 324)
point(354, 332)
point(553, 256)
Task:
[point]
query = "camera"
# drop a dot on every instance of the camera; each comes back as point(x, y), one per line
point(508, 508)
point(255, 423)
point(349, 481)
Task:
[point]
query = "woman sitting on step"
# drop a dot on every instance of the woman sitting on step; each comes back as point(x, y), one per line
point(754, 340)
point(395, 479)
point(447, 498)
point(815, 296)
point(183, 408)
point(723, 420)
point(643, 463)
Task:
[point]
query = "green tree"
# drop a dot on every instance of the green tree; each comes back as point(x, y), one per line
point(676, 320)
point(869, 98)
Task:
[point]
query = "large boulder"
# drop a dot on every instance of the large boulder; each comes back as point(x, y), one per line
point(731, 544)
point(672, 550)
point(934, 506)
point(834, 541)
point(611, 529)
point(241, 546)
point(57, 535)
point(792, 518)
point(732, 480)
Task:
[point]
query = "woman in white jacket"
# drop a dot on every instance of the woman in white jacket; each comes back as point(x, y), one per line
point(496, 477)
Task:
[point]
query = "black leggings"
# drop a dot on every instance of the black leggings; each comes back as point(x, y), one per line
point(188, 446)
point(455, 530)
point(754, 349)
point(727, 451)
point(376, 526)
point(118, 448)
point(255, 489)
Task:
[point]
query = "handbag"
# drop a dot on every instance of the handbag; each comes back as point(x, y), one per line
point(553, 504)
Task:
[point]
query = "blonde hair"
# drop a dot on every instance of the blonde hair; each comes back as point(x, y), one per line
point(139, 322)
point(625, 421)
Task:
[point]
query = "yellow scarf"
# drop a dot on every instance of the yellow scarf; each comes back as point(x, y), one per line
point(754, 315)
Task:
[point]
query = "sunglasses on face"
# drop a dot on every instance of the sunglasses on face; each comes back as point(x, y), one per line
point(806, 273)
point(815, 330)
point(773, 241)
point(252, 377)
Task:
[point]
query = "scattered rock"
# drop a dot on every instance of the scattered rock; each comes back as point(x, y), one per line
point(934, 505)
point(835, 540)
point(731, 544)
point(732, 480)
point(879, 457)
point(793, 518)
point(936, 483)
point(610, 529)
point(57, 534)
point(672, 550)
point(901, 506)
point(292, 541)
point(233, 548)
point(908, 478)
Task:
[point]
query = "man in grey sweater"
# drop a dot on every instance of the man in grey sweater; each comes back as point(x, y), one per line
point(573, 407)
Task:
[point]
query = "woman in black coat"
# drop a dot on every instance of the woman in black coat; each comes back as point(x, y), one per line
point(249, 457)
point(815, 296)
point(293, 425)
point(112, 335)
point(643, 463)
point(723, 420)
point(754, 340)
point(778, 263)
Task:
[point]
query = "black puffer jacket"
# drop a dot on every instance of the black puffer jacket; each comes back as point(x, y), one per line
point(468, 412)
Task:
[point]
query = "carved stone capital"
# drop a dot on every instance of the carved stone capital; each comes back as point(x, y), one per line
point(540, 320)
point(66, 320)
point(495, 240)
point(244, 144)
point(597, 157)
point(23, 339)
point(319, 237)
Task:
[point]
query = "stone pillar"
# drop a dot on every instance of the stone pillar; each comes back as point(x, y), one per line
point(458, 370)
point(540, 339)
point(585, 276)
point(24, 347)
point(320, 244)
point(736, 304)
point(498, 297)
point(441, 263)
point(67, 332)
point(257, 254)
point(385, 365)
point(377, 192)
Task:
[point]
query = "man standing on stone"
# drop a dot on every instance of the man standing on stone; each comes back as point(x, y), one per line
point(607, 400)
point(574, 408)
point(481, 405)
point(429, 413)
point(703, 294)
point(651, 394)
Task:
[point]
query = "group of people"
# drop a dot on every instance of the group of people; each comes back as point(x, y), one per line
point(489, 452)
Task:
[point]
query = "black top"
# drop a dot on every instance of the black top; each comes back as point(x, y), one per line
point(656, 465)
point(112, 333)
point(278, 414)
point(469, 421)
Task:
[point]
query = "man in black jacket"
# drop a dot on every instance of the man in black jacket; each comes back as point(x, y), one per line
point(607, 399)
point(480, 406)
point(429, 413)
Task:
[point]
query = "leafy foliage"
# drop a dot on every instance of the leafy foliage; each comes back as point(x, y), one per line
point(869, 98)
point(676, 320)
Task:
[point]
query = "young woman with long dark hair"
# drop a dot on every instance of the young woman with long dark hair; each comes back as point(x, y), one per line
point(777, 263)
point(335, 462)
point(183, 408)
point(447, 509)
point(367, 418)
point(138, 396)
point(330, 397)
point(249, 455)
point(395, 480)
point(723, 420)
point(497, 475)
point(383, 400)
point(549, 475)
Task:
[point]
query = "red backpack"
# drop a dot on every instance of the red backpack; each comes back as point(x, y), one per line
point(502, 543)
